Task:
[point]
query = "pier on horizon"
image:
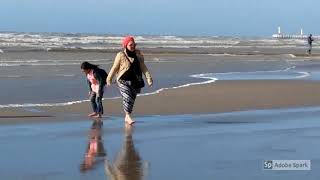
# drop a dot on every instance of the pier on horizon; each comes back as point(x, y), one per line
point(293, 36)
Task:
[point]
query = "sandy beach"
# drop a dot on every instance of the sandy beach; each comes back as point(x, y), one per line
point(173, 70)
point(235, 97)
point(224, 96)
point(220, 96)
point(230, 107)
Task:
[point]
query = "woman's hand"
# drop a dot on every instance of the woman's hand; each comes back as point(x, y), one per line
point(150, 82)
point(108, 83)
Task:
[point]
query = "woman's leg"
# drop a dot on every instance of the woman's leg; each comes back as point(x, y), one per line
point(129, 95)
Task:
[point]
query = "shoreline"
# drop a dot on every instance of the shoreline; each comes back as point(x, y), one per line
point(236, 50)
point(217, 97)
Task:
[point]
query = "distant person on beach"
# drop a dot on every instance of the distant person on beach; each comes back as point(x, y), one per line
point(129, 66)
point(310, 40)
point(96, 79)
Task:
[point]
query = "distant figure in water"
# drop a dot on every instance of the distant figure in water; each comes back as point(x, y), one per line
point(96, 79)
point(310, 40)
point(129, 66)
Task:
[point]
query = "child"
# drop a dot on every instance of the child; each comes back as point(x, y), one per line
point(96, 79)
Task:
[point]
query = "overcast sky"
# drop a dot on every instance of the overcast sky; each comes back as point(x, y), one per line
point(158, 17)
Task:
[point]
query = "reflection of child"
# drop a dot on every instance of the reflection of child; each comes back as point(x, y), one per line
point(90, 155)
point(95, 152)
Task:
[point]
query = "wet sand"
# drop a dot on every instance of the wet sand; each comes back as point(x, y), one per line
point(220, 96)
point(207, 146)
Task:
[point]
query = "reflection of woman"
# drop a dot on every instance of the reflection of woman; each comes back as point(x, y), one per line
point(129, 67)
point(128, 165)
point(95, 151)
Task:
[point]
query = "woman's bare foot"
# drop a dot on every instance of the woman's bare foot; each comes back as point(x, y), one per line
point(129, 120)
point(97, 116)
point(92, 114)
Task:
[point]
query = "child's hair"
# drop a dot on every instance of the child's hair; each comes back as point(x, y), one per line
point(87, 65)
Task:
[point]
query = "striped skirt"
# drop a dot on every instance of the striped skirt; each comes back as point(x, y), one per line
point(128, 94)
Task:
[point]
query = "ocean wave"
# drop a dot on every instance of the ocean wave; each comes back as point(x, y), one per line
point(291, 55)
point(9, 63)
point(86, 42)
point(83, 49)
point(25, 76)
point(51, 60)
point(211, 80)
point(41, 104)
point(44, 64)
point(13, 76)
point(283, 74)
point(276, 41)
point(65, 75)
point(90, 42)
point(60, 41)
point(228, 54)
point(27, 105)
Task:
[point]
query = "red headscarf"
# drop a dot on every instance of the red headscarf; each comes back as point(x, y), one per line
point(126, 41)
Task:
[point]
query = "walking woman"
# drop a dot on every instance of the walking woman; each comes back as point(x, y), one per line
point(96, 79)
point(129, 67)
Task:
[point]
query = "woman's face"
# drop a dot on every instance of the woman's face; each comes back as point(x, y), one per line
point(131, 46)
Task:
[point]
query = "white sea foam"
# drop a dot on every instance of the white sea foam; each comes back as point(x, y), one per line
point(211, 80)
point(13, 76)
point(43, 64)
point(46, 104)
point(257, 75)
point(65, 75)
point(228, 54)
point(56, 41)
point(291, 55)
point(41, 104)
point(49, 41)
point(303, 75)
point(51, 62)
